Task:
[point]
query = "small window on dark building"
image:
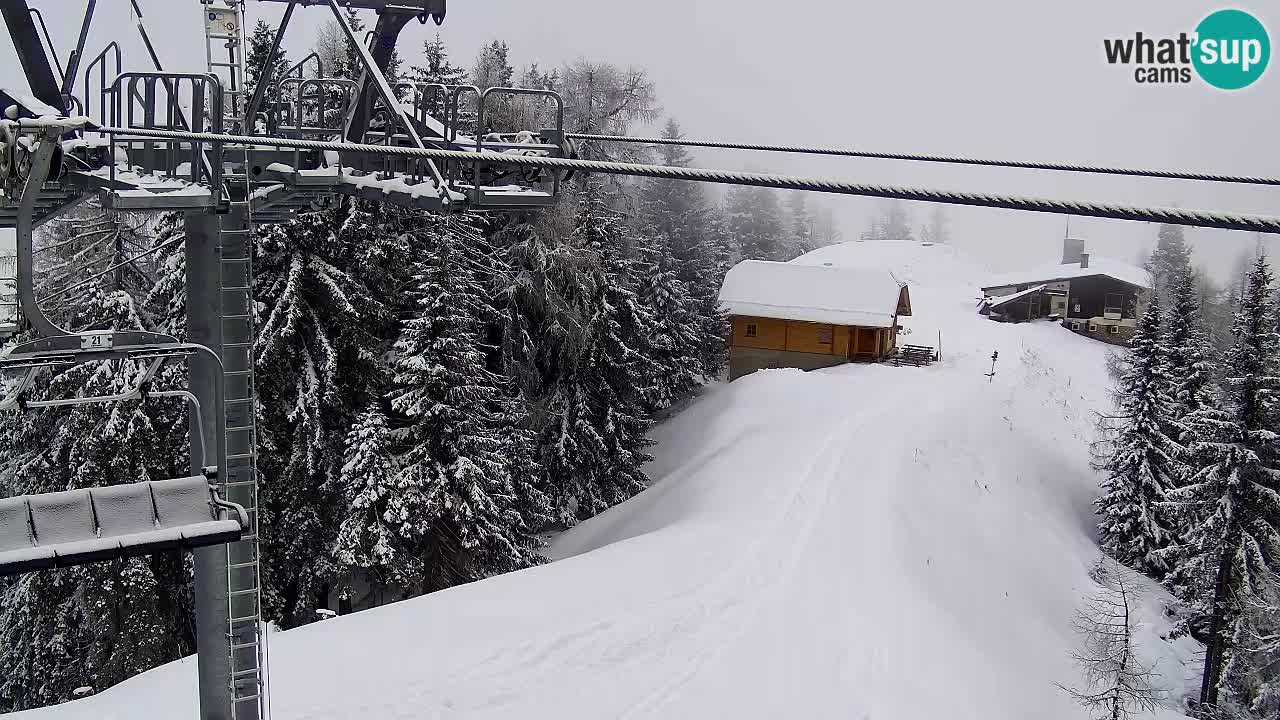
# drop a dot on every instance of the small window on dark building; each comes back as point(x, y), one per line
point(824, 336)
point(751, 330)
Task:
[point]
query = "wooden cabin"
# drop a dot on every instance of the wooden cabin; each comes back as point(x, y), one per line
point(809, 316)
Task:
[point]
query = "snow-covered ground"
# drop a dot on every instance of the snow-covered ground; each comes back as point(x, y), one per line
point(858, 542)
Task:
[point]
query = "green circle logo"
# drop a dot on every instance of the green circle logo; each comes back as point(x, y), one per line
point(1232, 49)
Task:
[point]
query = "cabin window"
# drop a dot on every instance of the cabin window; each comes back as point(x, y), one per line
point(1093, 328)
point(751, 330)
point(1114, 329)
point(824, 336)
point(1075, 326)
point(1113, 304)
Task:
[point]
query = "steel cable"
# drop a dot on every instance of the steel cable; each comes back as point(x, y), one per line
point(948, 159)
point(1175, 216)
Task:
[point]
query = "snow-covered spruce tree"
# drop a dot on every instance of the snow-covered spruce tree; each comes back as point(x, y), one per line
point(466, 505)
point(754, 222)
point(801, 240)
point(1191, 388)
point(1191, 372)
point(682, 225)
point(937, 231)
point(256, 60)
point(893, 223)
point(825, 229)
point(1134, 527)
point(597, 447)
point(1169, 260)
point(575, 338)
point(1233, 551)
point(369, 539)
point(678, 335)
point(544, 300)
point(318, 356)
point(98, 624)
point(437, 67)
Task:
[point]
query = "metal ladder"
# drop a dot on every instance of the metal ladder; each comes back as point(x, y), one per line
point(225, 44)
point(8, 294)
point(240, 479)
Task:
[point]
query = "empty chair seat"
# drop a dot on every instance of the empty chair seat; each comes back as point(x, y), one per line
point(79, 526)
point(64, 521)
point(184, 504)
point(128, 513)
point(17, 545)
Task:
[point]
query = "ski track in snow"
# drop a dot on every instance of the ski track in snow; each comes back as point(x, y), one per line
point(860, 542)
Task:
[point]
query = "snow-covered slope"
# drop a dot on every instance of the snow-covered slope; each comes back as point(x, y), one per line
point(858, 542)
point(930, 265)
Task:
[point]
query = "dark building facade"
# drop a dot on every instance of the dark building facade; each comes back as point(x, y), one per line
point(1096, 297)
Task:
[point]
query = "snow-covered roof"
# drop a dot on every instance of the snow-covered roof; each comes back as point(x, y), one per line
point(1122, 271)
point(1006, 299)
point(812, 293)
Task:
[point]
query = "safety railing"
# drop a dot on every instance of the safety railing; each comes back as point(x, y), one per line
point(169, 101)
point(547, 141)
point(280, 97)
point(316, 108)
point(104, 67)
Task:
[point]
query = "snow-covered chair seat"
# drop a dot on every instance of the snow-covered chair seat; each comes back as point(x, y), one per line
point(80, 526)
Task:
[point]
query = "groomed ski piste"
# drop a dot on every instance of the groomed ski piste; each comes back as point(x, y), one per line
point(860, 542)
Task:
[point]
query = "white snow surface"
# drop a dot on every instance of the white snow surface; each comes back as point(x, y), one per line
point(860, 542)
point(814, 293)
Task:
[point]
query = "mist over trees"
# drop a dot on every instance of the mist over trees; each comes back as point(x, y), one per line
point(895, 222)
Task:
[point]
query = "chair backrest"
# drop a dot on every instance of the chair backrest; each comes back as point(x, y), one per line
point(62, 517)
point(125, 509)
point(182, 501)
point(15, 524)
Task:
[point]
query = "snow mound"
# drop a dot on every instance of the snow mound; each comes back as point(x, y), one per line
point(857, 542)
point(911, 262)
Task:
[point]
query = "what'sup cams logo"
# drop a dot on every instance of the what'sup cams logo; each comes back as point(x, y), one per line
point(1228, 50)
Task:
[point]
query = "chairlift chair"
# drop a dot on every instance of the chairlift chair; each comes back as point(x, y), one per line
point(74, 527)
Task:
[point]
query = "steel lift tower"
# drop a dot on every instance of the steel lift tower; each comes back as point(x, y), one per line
point(54, 156)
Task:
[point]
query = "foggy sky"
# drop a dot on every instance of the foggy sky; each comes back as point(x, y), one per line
point(993, 78)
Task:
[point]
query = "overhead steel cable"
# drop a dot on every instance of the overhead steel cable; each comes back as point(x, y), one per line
point(947, 159)
point(1175, 216)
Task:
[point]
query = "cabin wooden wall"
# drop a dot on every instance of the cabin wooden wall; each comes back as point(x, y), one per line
point(792, 343)
point(770, 334)
point(791, 335)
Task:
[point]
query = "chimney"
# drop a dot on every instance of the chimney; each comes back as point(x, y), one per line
point(1071, 250)
point(1084, 260)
